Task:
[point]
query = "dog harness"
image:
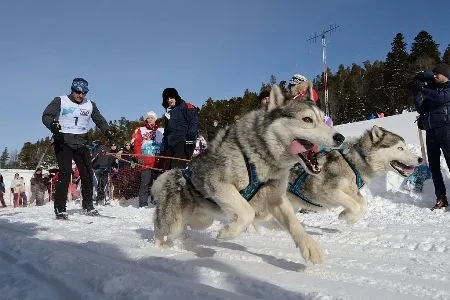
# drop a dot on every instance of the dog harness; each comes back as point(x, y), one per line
point(295, 188)
point(248, 192)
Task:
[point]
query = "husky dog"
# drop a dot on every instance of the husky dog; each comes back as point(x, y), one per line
point(377, 151)
point(261, 148)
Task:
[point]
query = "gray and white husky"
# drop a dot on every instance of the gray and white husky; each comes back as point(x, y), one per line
point(377, 151)
point(250, 159)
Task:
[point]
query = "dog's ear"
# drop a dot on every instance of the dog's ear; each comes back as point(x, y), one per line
point(377, 133)
point(276, 98)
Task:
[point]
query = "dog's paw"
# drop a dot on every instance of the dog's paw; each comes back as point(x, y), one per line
point(349, 216)
point(311, 250)
point(160, 244)
point(251, 229)
point(226, 234)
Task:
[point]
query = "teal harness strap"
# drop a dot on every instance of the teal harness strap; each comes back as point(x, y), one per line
point(254, 183)
point(359, 180)
point(295, 188)
point(248, 192)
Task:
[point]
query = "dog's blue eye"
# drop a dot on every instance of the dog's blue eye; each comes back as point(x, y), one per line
point(400, 148)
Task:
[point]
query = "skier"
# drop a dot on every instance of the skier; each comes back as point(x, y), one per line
point(68, 118)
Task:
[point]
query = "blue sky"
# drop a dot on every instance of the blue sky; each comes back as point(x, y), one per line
point(129, 51)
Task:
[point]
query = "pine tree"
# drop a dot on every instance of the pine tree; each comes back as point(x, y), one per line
point(424, 52)
point(446, 56)
point(4, 158)
point(397, 73)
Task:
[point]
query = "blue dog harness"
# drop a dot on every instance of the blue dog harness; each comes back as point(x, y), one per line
point(295, 188)
point(248, 192)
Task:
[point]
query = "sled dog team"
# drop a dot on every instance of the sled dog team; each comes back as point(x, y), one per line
point(260, 168)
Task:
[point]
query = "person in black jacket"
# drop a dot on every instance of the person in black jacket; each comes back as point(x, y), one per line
point(68, 118)
point(431, 94)
point(180, 129)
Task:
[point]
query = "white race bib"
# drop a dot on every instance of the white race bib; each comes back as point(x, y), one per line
point(75, 118)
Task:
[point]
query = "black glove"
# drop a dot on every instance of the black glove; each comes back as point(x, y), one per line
point(55, 127)
point(189, 149)
point(110, 136)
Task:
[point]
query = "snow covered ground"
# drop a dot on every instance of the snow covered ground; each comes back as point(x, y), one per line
point(399, 250)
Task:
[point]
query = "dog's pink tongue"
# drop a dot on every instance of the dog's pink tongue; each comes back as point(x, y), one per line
point(296, 147)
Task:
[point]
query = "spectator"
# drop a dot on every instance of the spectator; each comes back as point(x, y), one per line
point(301, 88)
point(180, 129)
point(102, 165)
point(147, 143)
point(37, 188)
point(23, 195)
point(264, 98)
point(126, 156)
point(17, 188)
point(68, 118)
point(431, 94)
point(212, 131)
point(2, 191)
point(200, 145)
point(127, 176)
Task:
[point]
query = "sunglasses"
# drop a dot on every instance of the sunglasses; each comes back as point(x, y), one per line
point(80, 92)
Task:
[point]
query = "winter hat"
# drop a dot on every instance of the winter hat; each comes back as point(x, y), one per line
point(443, 69)
point(151, 114)
point(297, 79)
point(80, 85)
point(170, 93)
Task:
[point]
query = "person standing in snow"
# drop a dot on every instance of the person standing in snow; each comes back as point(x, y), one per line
point(180, 128)
point(37, 188)
point(147, 141)
point(68, 118)
point(213, 130)
point(264, 97)
point(431, 95)
point(2, 191)
point(17, 188)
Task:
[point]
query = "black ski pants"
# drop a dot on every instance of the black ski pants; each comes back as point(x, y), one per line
point(438, 139)
point(82, 157)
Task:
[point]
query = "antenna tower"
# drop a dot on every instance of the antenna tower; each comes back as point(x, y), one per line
point(322, 36)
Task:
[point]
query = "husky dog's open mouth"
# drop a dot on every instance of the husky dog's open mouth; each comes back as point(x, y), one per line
point(304, 149)
point(401, 168)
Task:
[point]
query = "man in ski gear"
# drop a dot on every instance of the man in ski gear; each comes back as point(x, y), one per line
point(68, 118)
point(431, 95)
point(180, 128)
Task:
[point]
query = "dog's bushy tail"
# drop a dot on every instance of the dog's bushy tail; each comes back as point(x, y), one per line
point(166, 191)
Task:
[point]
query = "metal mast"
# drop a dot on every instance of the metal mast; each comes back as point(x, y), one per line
point(322, 35)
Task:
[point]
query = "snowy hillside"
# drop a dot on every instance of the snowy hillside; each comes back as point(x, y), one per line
point(399, 250)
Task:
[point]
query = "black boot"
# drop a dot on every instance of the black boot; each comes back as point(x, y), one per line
point(61, 215)
point(441, 202)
